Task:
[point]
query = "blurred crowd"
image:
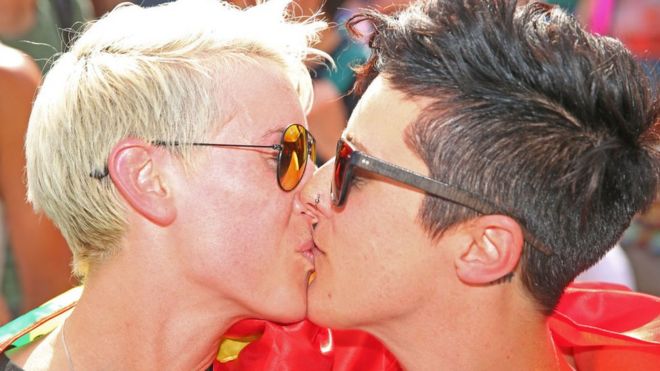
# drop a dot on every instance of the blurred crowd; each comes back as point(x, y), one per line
point(34, 258)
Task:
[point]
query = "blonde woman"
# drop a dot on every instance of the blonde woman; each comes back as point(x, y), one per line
point(168, 146)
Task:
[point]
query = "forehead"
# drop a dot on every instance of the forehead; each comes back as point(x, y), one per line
point(264, 102)
point(381, 118)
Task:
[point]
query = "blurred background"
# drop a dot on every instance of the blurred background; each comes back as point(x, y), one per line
point(34, 258)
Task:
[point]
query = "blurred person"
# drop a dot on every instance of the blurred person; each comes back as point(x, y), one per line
point(16, 16)
point(46, 26)
point(30, 246)
point(568, 5)
point(170, 158)
point(41, 254)
point(634, 22)
point(644, 232)
point(31, 274)
point(641, 242)
point(103, 6)
point(496, 153)
point(333, 97)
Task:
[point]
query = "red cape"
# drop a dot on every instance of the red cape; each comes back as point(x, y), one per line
point(608, 327)
point(604, 327)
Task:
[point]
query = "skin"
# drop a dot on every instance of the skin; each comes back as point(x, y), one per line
point(211, 244)
point(42, 255)
point(266, 228)
point(332, 283)
point(377, 269)
point(16, 16)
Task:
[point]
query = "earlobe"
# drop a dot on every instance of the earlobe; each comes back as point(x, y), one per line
point(493, 250)
point(133, 167)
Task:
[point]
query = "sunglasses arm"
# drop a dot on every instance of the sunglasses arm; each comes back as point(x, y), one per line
point(431, 186)
point(437, 188)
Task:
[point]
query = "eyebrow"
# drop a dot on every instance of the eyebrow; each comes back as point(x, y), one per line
point(279, 131)
point(356, 143)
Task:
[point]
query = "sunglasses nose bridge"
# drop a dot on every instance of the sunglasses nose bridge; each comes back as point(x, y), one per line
point(311, 147)
point(308, 157)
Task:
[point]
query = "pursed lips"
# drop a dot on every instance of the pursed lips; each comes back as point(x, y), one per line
point(307, 250)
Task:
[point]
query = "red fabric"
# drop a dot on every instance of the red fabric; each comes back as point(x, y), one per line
point(304, 346)
point(603, 327)
point(607, 327)
point(357, 350)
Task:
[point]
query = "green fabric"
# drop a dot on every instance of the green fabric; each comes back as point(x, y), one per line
point(44, 40)
point(23, 322)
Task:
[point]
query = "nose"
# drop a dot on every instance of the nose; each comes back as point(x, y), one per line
point(300, 205)
point(310, 168)
point(315, 195)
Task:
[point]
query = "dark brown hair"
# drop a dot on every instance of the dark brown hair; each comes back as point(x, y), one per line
point(531, 112)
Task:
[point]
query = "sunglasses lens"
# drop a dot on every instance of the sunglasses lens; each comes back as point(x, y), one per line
point(341, 164)
point(293, 158)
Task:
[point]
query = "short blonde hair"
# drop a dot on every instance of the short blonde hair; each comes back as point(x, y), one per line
point(145, 73)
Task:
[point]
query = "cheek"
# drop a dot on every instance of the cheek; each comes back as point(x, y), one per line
point(251, 203)
point(259, 231)
point(379, 261)
point(238, 224)
point(260, 215)
point(380, 231)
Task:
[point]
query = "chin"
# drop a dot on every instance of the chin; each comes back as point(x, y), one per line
point(288, 310)
point(327, 318)
point(322, 311)
point(290, 316)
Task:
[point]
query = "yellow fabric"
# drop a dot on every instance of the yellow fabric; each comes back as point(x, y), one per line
point(648, 331)
point(230, 348)
point(50, 325)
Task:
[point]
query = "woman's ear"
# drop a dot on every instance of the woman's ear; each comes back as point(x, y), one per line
point(136, 169)
point(493, 251)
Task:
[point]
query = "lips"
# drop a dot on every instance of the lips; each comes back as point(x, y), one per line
point(307, 250)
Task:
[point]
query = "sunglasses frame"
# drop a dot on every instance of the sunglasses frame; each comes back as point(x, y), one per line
point(361, 160)
point(311, 144)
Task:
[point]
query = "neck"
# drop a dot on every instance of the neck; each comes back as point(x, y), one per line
point(481, 335)
point(136, 315)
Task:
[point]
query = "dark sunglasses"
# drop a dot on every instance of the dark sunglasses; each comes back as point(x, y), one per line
point(295, 147)
point(348, 158)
